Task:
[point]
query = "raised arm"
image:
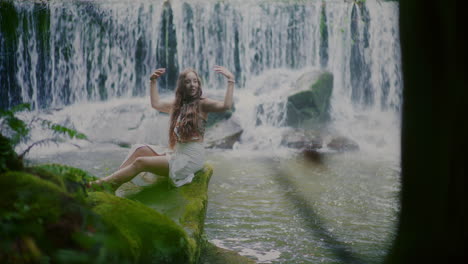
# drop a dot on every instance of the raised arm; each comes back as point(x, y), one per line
point(156, 103)
point(210, 105)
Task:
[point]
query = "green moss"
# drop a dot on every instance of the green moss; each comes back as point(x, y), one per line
point(48, 213)
point(9, 160)
point(41, 222)
point(37, 217)
point(47, 175)
point(185, 205)
point(150, 235)
point(322, 90)
point(72, 180)
point(42, 198)
point(197, 195)
point(310, 108)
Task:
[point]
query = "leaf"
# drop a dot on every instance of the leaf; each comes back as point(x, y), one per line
point(59, 129)
point(18, 126)
point(18, 131)
point(21, 107)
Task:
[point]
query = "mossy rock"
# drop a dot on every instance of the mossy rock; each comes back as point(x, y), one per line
point(310, 108)
point(185, 205)
point(149, 236)
point(41, 199)
point(41, 222)
point(70, 179)
point(46, 214)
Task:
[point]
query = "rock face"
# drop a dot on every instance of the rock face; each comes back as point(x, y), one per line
point(310, 106)
point(65, 222)
point(223, 134)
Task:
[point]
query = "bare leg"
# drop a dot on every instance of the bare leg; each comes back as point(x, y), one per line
point(155, 164)
point(143, 151)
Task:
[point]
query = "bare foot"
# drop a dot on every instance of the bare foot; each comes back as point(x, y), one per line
point(94, 185)
point(102, 185)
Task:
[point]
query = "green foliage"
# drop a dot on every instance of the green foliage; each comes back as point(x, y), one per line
point(18, 126)
point(47, 215)
point(72, 180)
point(43, 219)
point(59, 129)
point(18, 131)
point(8, 158)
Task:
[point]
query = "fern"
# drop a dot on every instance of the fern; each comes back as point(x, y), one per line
point(18, 131)
point(41, 142)
point(18, 126)
point(59, 129)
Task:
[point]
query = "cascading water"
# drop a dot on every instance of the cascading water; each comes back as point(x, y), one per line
point(99, 50)
point(86, 64)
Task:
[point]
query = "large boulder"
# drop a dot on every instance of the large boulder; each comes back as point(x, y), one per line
point(48, 215)
point(148, 234)
point(223, 134)
point(45, 218)
point(309, 107)
point(185, 206)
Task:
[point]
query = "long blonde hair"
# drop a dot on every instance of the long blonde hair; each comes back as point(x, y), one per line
point(188, 107)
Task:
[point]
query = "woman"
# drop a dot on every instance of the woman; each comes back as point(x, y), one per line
point(189, 113)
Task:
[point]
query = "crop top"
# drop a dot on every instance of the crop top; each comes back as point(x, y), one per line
point(201, 128)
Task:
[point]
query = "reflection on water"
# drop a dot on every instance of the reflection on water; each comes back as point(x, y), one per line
point(284, 211)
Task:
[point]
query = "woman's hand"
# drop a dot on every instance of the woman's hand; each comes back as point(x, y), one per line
point(154, 94)
point(225, 72)
point(157, 73)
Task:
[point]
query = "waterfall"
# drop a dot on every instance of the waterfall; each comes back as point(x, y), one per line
point(70, 52)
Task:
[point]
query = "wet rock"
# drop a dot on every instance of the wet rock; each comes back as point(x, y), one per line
point(301, 139)
point(341, 143)
point(309, 107)
point(223, 134)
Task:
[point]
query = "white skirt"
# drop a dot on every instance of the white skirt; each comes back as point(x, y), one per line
point(186, 159)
